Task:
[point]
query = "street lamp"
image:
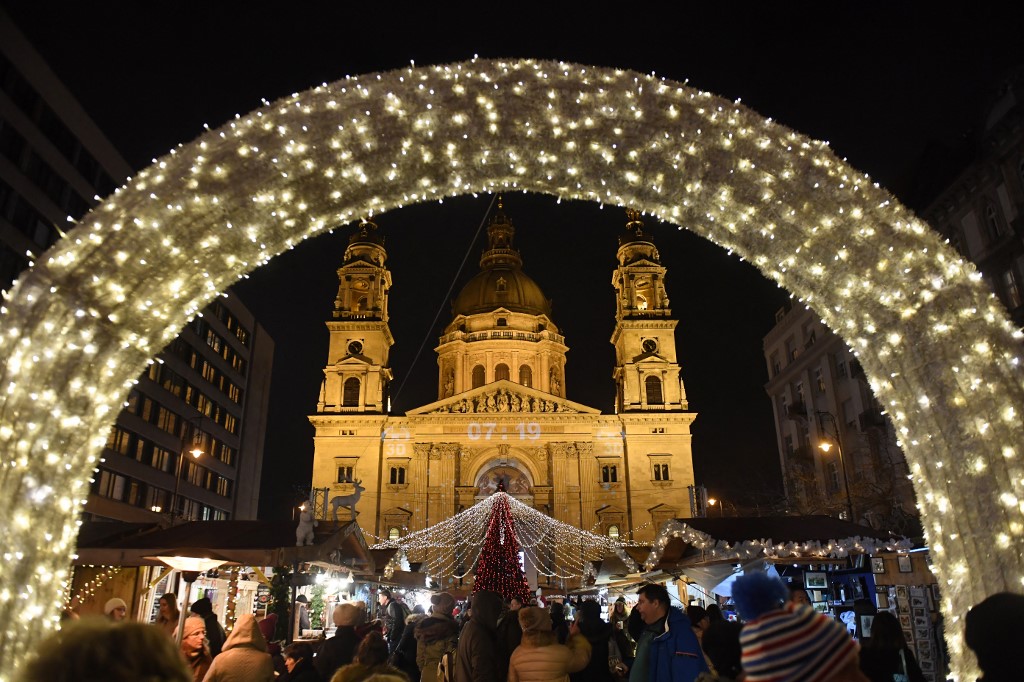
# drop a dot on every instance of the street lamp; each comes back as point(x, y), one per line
point(190, 562)
point(721, 507)
point(825, 447)
point(196, 452)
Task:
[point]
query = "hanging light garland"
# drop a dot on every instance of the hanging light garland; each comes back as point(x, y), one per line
point(552, 548)
point(88, 590)
point(753, 549)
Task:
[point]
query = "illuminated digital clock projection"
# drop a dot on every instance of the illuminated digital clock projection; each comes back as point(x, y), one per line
point(940, 353)
point(492, 430)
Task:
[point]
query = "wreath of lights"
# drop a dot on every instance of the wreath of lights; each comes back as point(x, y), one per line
point(765, 548)
point(450, 549)
point(940, 352)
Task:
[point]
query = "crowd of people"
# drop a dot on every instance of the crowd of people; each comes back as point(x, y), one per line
point(779, 639)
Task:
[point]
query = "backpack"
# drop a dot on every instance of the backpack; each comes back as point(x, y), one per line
point(446, 666)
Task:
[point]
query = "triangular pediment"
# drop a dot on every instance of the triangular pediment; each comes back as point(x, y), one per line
point(396, 511)
point(351, 359)
point(651, 357)
point(504, 396)
point(644, 263)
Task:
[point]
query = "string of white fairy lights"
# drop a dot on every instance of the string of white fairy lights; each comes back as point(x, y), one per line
point(553, 548)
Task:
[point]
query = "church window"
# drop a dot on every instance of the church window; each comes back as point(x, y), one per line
point(394, 533)
point(500, 284)
point(397, 475)
point(361, 304)
point(613, 532)
point(653, 385)
point(641, 302)
point(993, 222)
point(350, 395)
point(526, 376)
point(661, 472)
point(501, 372)
point(610, 474)
point(478, 376)
point(502, 322)
point(344, 474)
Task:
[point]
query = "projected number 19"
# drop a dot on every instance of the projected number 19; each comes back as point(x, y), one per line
point(491, 430)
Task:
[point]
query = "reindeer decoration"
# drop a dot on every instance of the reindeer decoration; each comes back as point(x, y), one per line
point(347, 500)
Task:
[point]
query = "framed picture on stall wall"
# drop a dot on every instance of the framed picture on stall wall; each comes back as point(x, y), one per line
point(815, 581)
point(903, 561)
point(877, 564)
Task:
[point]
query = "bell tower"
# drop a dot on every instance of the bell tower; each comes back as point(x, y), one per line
point(646, 372)
point(357, 373)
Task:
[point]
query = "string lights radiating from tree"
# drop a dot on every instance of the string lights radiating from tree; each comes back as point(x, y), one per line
point(556, 549)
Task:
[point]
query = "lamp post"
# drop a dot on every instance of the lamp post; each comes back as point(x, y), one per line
point(190, 562)
point(825, 447)
point(196, 452)
point(721, 507)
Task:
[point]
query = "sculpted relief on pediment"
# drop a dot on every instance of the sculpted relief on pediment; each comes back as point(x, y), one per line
point(504, 399)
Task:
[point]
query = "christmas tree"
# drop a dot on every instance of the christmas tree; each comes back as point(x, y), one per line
point(498, 568)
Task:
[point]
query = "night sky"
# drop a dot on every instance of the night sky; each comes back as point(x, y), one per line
point(893, 90)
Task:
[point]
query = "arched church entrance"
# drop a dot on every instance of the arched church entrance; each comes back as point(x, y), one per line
point(942, 356)
point(507, 472)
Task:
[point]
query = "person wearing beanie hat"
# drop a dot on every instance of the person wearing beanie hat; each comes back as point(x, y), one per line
point(435, 635)
point(598, 634)
point(340, 649)
point(215, 634)
point(194, 648)
point(540, 658)
point(787, 642)
point(115, 609)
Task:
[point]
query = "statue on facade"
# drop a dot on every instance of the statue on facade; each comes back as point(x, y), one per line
point(449, 382)
point(304, 532)
point(556, 384)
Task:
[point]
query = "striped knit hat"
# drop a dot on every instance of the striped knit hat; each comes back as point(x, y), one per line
point(795, 644)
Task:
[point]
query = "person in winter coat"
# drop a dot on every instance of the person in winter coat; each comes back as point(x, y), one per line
point(597, 633)
point(298, 659)
point(885, 652)
point(244, 657)
point(404, 655)
point(168, 616)
point(510, 634)
point(214, 631)
point(558, 623)
point(475, 660)
point(435, 635)
point(194, 648)
point(371, 660)
point(340, 649)
point(667, 650)
point(540, 658)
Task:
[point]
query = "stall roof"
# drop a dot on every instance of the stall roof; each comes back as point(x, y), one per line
point(688, 542)
point(253, 543)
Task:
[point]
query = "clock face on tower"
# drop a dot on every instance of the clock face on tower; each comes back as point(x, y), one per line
point(355, 348)
point(650, 345)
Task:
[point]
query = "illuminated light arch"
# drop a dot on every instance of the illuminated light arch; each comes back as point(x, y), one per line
point(939, 351)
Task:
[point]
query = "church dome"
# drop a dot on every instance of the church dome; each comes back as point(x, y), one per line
point(501, 282)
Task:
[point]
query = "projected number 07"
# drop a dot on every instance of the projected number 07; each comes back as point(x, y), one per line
point(491, 430)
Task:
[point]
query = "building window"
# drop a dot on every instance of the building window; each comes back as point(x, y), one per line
point(819, 380)
point(501, 372)
point(394, 533)
point(1012, 289)
point(993, 223)
point(833, 477)
point(610, 473)
point(613, 532)
point(653, 385)
point(478, 376)
point(776, 367)
point(841, 367)
point(344, 474)
point(661, 472)
point(798, 392)
point(397, 475)
point(502, 322)
point(526, 376)
point(350, 394)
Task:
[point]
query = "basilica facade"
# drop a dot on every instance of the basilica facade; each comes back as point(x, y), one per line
point(503, 412)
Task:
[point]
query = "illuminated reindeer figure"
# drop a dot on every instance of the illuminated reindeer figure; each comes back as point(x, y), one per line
point(347, 500)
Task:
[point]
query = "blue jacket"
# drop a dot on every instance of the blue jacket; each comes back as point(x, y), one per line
point(675, 655)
